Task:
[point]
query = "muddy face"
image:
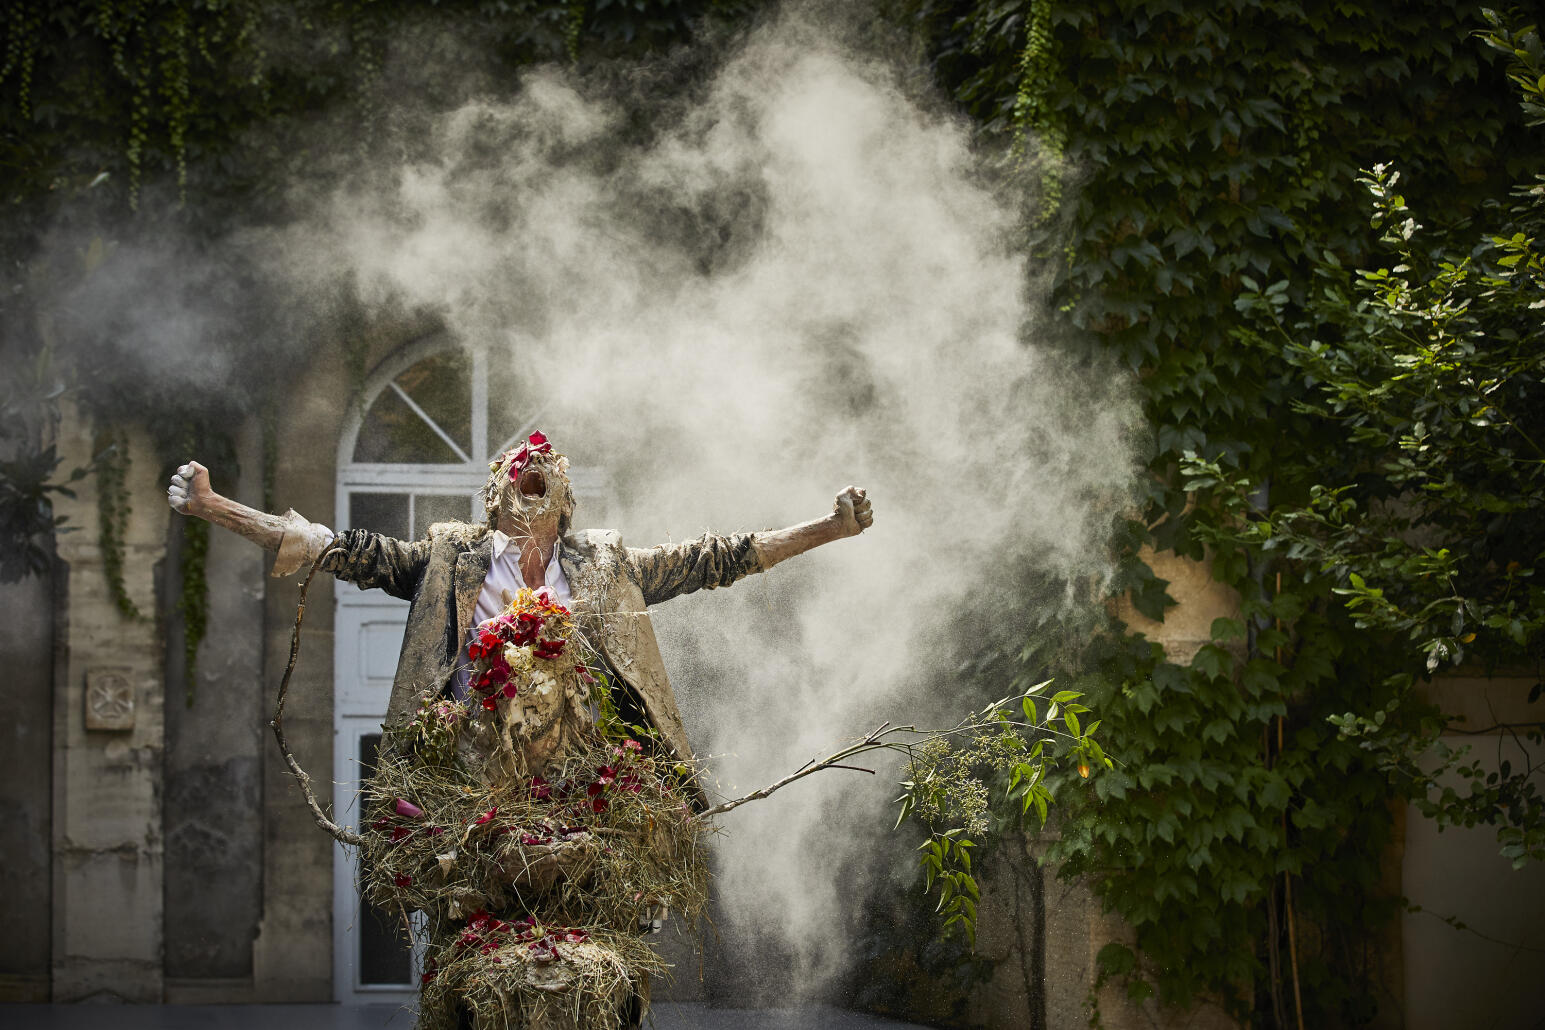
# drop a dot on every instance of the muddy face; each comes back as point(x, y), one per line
point(540, 490)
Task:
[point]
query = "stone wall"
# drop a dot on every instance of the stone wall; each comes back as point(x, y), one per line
point(26, 697)
point(1487, 974)
point(213, 766)
point(108, 734)
point(292, 959)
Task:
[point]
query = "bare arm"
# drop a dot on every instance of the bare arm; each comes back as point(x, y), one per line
point(851, 515)
point(297, 540)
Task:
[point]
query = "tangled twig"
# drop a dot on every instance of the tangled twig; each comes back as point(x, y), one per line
point(302, 778)
point(886, 737)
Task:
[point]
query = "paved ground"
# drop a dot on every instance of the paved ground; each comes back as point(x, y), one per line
point(667, 1016)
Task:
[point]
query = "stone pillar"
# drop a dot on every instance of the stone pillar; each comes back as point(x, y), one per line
point(214, 756)
point(26, 649)
point(108, 730)
point(292, 958)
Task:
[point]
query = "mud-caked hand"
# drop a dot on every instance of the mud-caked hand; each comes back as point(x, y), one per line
point(189, 491)
point(853, 511)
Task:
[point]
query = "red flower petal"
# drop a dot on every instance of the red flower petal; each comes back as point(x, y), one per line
point(599, 805)
point(402, 879)
point(490, 704)
point(408, 809)
point(538, 438)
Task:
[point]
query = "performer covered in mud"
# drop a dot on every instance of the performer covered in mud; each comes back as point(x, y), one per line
point(535, 795)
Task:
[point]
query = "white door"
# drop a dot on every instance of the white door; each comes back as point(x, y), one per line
point(416, 452)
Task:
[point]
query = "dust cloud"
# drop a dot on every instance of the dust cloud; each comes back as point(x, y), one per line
point(804, 279)
point(803, 275)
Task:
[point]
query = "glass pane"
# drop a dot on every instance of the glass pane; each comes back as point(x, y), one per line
point(393, 432)
point(385, 950)
point(511, 405)
point(431, 508)
point(442, 386)
point(380, 513)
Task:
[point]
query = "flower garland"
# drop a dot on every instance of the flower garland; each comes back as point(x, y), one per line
point(522, 643)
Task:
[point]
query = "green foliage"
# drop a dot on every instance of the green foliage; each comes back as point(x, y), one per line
point(1217, 147)
point(984, 779)
point(28, 409)
point(112, 469)
point(1431, 516)
point(113, 94)
point(1432, 367)
point(1033, 115)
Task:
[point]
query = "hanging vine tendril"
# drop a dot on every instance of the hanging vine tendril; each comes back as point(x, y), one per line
point(113, 507)
point(572, 30)
point(1032, 112)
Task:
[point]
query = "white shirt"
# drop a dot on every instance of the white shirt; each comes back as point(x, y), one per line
point(504, 578)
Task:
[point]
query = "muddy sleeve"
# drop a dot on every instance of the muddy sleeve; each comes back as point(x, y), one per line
point(705, 563)
point(375, 562)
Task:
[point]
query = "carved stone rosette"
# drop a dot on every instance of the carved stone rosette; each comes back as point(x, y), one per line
point(109, 699)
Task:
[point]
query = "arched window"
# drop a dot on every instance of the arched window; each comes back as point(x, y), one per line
point(432, 420)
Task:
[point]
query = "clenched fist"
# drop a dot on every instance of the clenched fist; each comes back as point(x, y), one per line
point(853, 511)
point(189, 491)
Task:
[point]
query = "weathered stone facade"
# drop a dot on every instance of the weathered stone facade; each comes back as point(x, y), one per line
point(107, 837)
point(26, 799)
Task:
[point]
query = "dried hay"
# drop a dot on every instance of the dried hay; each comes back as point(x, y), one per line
point(535, 836)
point(531, 975)
point(598, 844)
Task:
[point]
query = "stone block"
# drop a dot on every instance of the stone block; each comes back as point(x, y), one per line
point(115, 909)
point(108, 981)
point(1199, 600)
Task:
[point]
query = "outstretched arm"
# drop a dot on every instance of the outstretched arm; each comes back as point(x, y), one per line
point(717, 561)
point(297, 540)
point(850, 516)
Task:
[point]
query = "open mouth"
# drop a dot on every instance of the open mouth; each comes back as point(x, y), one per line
point(532, 483)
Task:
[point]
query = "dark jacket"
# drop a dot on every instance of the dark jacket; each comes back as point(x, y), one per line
point(612, 586)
